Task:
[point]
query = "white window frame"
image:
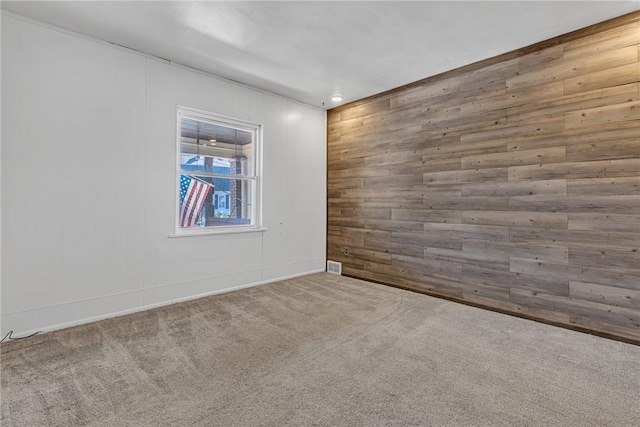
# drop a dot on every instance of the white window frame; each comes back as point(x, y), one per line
point(256, 188)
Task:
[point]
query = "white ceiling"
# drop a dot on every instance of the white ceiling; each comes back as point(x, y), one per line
point(309, 50)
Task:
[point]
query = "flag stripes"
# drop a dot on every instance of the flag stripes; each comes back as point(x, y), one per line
point(193, 194)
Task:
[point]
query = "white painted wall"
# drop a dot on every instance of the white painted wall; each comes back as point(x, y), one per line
point(88, 158)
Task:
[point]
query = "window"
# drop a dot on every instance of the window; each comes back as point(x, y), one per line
point(217, 174)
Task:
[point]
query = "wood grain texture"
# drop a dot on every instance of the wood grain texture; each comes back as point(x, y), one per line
point(513, 183)
point(605, 294)
point(629, 73)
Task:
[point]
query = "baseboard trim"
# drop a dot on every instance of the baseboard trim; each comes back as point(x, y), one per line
point(145, 307)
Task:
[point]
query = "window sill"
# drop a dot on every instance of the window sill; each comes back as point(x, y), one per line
point(217, 232)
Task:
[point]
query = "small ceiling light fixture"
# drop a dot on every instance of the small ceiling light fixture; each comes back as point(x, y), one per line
point(336, 97)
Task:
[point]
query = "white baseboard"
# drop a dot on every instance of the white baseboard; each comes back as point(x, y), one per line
point(117, 313)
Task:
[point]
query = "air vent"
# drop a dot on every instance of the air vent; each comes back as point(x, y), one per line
point(334, 267)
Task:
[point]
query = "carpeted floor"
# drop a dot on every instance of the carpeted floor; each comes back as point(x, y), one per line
point(319, 350)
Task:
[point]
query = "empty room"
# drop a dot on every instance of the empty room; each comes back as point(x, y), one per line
point(327, 213)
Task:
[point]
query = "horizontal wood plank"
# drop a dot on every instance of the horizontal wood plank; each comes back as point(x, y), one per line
point(627, 260)
point(547, 252)
point(624, 74)
point(575, 237)
point(605, 294)
point(609, 114)
point(507, 279)
point(522, 188)
point(576, 204)
point(604, 150)
point(465, 176)
point(605, 222)
point(576, 273)
point(611, 186)
point(568, 170)
point(510, 158)
point(544, 219)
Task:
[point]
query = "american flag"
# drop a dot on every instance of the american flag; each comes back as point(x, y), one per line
point(192, 196)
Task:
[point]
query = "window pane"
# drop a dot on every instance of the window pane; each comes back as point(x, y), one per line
point(218, 171)
point(210, 202)
point(215, 148)
point(235, 202)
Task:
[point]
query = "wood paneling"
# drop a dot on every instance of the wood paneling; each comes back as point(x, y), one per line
point(513, 183)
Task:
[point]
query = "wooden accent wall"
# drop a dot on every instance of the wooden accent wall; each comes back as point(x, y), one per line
point(513, 183)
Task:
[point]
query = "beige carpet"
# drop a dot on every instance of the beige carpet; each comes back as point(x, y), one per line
point(320, 350)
